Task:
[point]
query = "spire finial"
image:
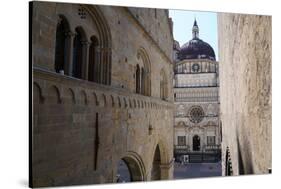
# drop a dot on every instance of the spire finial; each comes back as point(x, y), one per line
point(195, 29)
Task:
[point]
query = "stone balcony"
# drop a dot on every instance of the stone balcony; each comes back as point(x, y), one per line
point(181, 149)
point(211, 148)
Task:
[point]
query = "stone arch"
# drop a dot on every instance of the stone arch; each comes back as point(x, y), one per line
point(104, 100)
point(135, 104)
point(211, 109)
point(211, 123)
point(125, 102)
point(54, 95)
point(160, 162)
point(163, 151)
point(105, 43)
point(37, 93)
point(145, 74)
point(119, 102)
point(112, 101)
point(70, 95)
point(138, 102)
point(130, 103)
point(156, 170)
point(95, 98)
point(83, 97)
point(135, 165)
point(181, 123)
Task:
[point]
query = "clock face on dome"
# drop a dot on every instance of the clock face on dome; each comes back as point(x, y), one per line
point(195, 67)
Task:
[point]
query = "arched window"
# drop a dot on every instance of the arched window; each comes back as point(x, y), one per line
point(102, 63)
point(142, 81)
point(60, 52)
point(78, 53)
point(163, 85)
point(138, 79)
point(145, 75)
point(93, 60)
point(75, 56)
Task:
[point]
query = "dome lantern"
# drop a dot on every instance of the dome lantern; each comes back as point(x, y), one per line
point(195, 30)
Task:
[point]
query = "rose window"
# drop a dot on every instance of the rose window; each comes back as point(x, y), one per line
point(196, 114)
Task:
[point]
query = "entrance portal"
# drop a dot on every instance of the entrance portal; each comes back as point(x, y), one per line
point(196, 143)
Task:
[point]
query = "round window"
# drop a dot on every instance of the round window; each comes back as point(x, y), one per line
point(196, 114)
point(195, 67)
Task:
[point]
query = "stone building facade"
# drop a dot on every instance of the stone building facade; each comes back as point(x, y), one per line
point(102, 92)
point(196, 126)
point(245, 93)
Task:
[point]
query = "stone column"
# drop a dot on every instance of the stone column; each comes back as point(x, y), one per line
point(69, 52)
point(108, 66)
point(101, 65)
point(85, 59)
point(167, 170)
point(97, 64)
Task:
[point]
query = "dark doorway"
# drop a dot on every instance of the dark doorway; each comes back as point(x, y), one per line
point(196, 143)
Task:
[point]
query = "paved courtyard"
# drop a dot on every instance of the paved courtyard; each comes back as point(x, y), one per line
point(195, 170)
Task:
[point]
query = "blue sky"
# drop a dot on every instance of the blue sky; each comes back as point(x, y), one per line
point(207, 22)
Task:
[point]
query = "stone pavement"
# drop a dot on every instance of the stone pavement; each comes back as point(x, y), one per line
point(195, 170)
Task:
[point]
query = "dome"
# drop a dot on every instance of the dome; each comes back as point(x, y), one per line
point(196, 48)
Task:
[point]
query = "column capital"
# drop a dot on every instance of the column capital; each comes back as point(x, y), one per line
point(105, 49)
point(167, 165)
point(85, 43)
point(69, 34)
point(98, 49)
